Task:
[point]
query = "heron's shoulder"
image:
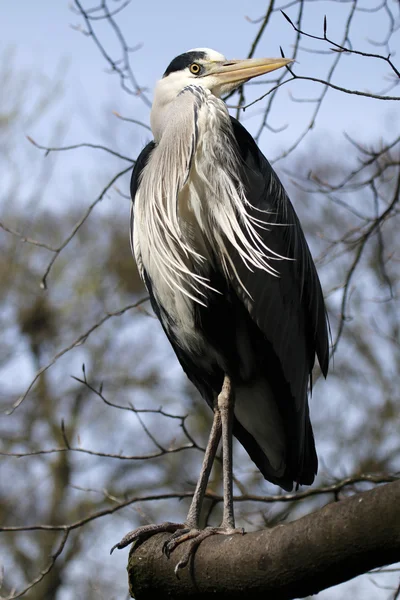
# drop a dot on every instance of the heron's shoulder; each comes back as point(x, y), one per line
point(140, 164)
point(247, 144)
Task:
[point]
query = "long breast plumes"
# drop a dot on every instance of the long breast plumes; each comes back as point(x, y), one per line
point(196, 201)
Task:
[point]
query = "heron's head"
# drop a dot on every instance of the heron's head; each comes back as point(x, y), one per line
point(211, 70)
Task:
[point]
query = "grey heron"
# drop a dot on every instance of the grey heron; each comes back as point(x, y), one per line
point(231, 279)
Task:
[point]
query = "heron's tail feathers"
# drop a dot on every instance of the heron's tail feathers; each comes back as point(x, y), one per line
point(259, 428)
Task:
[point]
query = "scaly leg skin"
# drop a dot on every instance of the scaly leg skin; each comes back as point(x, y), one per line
point(192, 532)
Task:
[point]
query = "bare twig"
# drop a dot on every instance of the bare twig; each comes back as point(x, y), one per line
point(79, 224)
point(81, 145)
point(123, 68)
point(44, 571)
point(77, 342)
point(27, 240)
point(340, 47)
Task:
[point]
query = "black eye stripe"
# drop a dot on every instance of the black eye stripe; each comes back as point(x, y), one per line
point(183, 61)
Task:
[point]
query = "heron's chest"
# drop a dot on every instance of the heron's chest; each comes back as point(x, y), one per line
point(172, 251)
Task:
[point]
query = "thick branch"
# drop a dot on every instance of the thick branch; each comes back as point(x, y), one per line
point(334, 544)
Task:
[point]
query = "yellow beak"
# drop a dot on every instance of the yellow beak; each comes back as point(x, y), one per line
point(242, 70)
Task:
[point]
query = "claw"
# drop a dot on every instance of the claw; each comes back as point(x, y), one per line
point(113, 548)
point(165, 550)
point(169, 546)
point(180, 565)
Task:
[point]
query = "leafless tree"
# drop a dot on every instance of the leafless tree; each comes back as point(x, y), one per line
point(118, 444)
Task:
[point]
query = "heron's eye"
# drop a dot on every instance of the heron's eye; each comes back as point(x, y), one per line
point(195, 68)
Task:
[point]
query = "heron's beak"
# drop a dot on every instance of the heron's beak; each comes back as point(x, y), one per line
point(235, 71)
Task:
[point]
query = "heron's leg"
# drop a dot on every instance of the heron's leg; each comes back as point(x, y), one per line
point(226, 403)
point(224, 408)
point(193, 517)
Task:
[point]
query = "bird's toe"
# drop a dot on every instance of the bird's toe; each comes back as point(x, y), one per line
point(143, 533)
point(194, 537)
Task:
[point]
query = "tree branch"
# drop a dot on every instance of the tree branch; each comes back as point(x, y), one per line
point(332, 545)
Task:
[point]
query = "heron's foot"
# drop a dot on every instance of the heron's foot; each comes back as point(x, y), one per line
point(194, 537)
point(143, 533)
